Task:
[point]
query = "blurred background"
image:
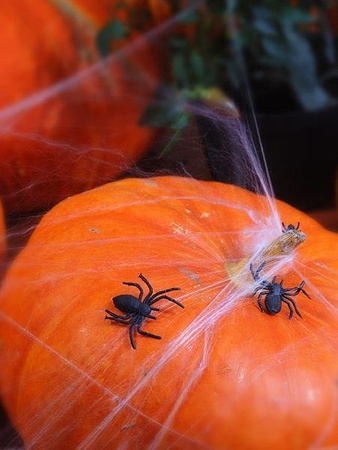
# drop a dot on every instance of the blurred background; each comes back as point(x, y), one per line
point(92, 91)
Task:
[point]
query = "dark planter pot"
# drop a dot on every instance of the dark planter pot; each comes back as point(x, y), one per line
point(302, 155)
point(300, 149)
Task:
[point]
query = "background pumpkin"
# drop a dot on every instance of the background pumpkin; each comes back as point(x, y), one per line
point(68, 122)
point(2, 234)
point(224, 375)
point(156, 11)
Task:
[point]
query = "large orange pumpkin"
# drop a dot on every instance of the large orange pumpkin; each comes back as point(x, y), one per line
point(224, 374)
point(68, 121)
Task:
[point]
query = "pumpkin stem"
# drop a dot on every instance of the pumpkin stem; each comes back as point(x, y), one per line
point(282, 245)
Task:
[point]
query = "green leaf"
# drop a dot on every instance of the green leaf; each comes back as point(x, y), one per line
point(159, 115)
point(180, 70)
point(172, 143)
point(264, 22)
point(296, 15)
point(302, 69)
point(181, 120)
point(114, 30)
point(265, 27)
point(179, 43)
point(275, 51)
point(188, 16)
point(198, 66)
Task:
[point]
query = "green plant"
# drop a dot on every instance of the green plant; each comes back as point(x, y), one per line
point(269, 46)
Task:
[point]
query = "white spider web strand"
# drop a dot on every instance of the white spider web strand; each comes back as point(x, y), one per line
point(82, 374)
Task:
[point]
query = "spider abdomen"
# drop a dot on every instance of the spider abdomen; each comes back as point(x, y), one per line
point(273, 303)
point(131, 305)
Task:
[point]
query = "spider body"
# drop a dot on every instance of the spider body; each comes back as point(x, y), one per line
point(272, 300)
point(131, 305)
point(137, 309)
point(275, 294)
point(290, 227)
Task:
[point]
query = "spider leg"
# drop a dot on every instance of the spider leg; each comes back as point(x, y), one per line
point(290, 289)
point(252, 272)
point(293, 303)
point(298, 225)
point(116, 316)
point(300, 287)
point(290, 308)
point(258, 271)
point(157, 294)
point(255, 291)
point(305, 293)
point(150, 293)
point(259, 301)
point(297, 290)
point(284, 228)
point(166, 297)
point(262, 285)
point(123, 322)
point(155, 309)
point(127, 283)
point(255, 275)
point(131, 335)
point(145, 333)
point(150, 316)
point(293, 294)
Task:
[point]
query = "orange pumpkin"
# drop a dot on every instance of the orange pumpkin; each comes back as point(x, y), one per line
point(156, 11)
point(2, 234)
point(97, 13)
point(224, 374)
point(68, 120)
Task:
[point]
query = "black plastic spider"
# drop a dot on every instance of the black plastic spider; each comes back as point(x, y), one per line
point(137, 309)
point(275, 294)
point(290, 227)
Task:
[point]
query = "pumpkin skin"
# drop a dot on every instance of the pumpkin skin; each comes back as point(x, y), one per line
point(2, 234)
point(224, 374)
point(98, 13)
point(158, 11)
point(68, 122)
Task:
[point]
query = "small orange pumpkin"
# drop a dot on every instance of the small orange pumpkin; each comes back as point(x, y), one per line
point(224, 374)
point(69, 121)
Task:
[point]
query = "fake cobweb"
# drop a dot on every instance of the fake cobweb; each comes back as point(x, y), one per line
point(218, 364)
